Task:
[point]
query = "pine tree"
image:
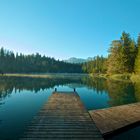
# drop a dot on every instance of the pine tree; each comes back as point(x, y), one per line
point(115, 63)
point(132, 56)
point(125, 38)
point(122, 55)
point(20, 63)
point(137, 61)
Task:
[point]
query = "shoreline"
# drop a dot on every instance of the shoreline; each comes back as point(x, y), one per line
point(117, 77)
point(127, 77)
point(43, 75)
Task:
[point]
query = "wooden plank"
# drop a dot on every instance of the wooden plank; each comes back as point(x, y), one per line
point(63, 117)
point(115, 118)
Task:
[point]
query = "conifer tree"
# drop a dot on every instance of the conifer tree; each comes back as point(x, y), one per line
point(122, 55)
point(115, 63)
point(137, 61)
point(126, 42)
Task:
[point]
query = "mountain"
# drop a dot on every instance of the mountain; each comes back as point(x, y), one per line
point(78, 60)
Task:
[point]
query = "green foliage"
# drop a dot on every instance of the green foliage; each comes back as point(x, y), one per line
point(122, 54)
point(97, 65)
point(137, 61)
point(115, 65)
point(35, 63)
point(124, 57)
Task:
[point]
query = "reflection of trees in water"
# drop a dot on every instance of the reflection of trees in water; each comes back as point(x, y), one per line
point(75, 85)
point(120, 92)
point(98, 84)
point(137, 91)
point(5, 89)
point(8, 84)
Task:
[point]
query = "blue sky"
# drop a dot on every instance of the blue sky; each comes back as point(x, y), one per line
point(66, 28)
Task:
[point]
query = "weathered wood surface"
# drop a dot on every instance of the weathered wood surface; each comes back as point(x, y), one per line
point(114, 118)
point(63, 117)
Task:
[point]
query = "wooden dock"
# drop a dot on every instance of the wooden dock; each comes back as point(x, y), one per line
point(115, 118)
point(63, 117)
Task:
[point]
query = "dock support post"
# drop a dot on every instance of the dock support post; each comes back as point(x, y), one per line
point(55, 89)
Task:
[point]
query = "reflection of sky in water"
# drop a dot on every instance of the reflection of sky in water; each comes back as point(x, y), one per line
point(19, 107)
point(18, 110)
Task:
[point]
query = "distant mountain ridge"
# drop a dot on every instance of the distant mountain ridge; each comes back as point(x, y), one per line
point(77, 60)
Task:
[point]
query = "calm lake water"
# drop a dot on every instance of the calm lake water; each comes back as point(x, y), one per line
point(22, 98)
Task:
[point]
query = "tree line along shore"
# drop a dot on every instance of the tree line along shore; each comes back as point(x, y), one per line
point(123, 61)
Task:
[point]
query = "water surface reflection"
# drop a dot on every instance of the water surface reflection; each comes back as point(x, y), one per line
point(21, 98)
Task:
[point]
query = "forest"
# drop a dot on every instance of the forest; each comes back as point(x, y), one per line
point(123, 57)
point(34, 63)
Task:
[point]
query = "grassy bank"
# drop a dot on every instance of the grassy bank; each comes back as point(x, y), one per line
point(127, 77)
point(122, 77)
point(46, 75)
point(119, 77)
point(135, 78)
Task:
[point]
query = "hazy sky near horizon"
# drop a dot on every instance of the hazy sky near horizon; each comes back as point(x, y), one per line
point(66, 28)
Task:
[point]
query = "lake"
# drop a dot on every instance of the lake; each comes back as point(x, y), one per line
point(22, 97)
